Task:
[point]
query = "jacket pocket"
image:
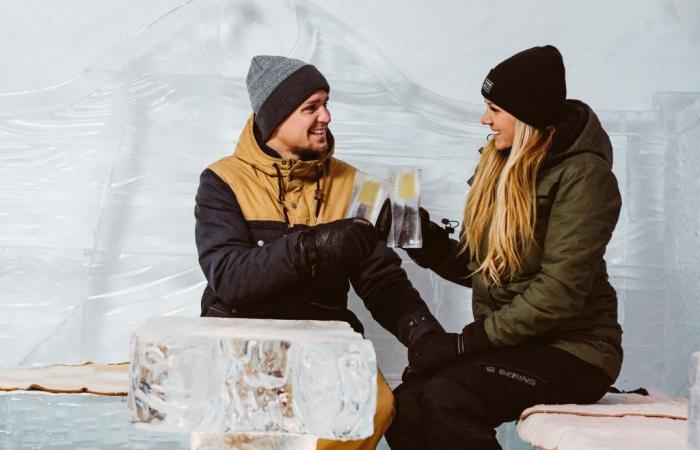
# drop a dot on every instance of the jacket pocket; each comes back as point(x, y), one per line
point(253, 310)
point(216, 310)
point(263, 232)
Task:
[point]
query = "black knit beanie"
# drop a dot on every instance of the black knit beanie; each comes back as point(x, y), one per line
point(277, 86)
point(530, 85)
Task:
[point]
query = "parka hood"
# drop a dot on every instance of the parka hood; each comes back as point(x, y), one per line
point(249, 151)
point(578, 132)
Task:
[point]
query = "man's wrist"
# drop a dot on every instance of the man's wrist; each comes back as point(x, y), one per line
point(307, 251)
point(419, 326)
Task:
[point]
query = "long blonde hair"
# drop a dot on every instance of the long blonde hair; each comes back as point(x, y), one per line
point(501, 203)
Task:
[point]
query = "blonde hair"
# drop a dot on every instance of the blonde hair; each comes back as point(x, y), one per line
point(501, 203)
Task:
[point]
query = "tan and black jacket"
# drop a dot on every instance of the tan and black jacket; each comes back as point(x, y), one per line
point(250, 210)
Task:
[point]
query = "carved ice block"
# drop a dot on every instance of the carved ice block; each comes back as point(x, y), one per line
point(212, 375)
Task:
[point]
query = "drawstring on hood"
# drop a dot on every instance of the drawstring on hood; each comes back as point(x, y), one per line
point(280, 195)
point(318, 194)
point(289, 174)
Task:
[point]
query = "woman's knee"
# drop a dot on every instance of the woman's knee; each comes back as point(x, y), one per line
point(444, 396)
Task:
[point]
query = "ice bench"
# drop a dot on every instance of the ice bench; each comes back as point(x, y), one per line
point(616, 422)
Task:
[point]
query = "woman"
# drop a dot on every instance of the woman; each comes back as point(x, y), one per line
point(541, 209)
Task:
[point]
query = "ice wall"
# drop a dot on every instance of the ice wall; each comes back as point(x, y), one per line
point(101, 150)
point(682, 234)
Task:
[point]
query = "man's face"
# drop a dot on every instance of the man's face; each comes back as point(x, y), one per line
point(304, 134)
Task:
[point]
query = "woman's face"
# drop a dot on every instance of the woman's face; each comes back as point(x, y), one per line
point(502, 125)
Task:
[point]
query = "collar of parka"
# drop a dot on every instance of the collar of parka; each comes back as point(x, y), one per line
point(248, 150)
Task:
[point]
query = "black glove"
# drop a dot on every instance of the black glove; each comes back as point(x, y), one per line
point(383, 224)
point(345, 241)
point(436, 243)
point(434, 351)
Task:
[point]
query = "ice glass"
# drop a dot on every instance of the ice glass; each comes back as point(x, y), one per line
point(368, 195)
point(406, 230)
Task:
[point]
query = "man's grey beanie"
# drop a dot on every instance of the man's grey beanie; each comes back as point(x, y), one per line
point(277, 86)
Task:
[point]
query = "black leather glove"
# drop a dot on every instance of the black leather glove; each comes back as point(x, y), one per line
point(383, 224)
point(345, 241)
point(434, 351)
point(436, 243)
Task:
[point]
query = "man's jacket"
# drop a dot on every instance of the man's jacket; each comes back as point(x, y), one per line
point(562, 296)
point(250, 210)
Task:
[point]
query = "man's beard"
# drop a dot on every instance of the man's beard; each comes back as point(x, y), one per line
point(307, 154)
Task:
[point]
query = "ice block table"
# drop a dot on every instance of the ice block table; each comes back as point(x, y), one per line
point(244, 383)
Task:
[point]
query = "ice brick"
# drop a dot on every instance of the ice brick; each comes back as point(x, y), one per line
point(232, 441)
point(694, 418)
point(33, 420)
point(245, 375)
point(694, 403)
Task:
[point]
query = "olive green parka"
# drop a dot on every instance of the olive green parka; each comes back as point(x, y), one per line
point(562, 296)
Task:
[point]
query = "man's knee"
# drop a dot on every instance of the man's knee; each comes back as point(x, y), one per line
point(382, 419)
point(385, 406)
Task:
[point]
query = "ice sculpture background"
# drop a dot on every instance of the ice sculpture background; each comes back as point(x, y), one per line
point(109, 112)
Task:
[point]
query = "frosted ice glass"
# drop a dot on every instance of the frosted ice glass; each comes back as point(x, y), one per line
point(405, 201)
point(238, 375)
point(368, 195)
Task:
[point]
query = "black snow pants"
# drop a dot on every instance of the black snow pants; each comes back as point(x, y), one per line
point(459, 407)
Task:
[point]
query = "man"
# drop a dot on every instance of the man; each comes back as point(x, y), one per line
point(270, 232)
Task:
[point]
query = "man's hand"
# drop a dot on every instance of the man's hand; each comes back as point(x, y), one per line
point(346, 241)
point(383, 224)
point(434, 351)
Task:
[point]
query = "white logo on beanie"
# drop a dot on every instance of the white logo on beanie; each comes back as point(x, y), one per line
point(488, 84)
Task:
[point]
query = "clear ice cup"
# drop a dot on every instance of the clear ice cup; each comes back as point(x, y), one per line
point(406, 229)
point(368, 195)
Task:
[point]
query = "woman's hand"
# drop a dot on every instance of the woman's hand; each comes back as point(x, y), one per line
point(436, 239)
point(434, 351)
point(436, 243)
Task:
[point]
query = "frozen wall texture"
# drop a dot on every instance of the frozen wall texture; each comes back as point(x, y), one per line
point(108, 114)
